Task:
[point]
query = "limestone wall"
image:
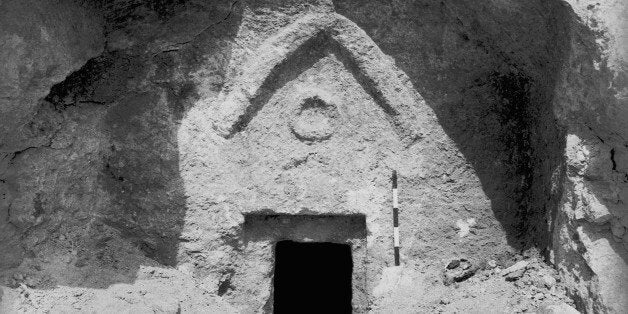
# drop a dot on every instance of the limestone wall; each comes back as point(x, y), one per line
point(590, 236)
point(40, 44)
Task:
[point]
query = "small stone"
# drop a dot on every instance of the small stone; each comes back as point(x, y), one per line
point(458, 274)
point(18, 276)
point(520, 265)
point(549, 281)
point(30, 282)
point(447, 279)
point(492, 264)
point(453, 264)
point(617, 229)
point(512, 276)
point(539, 296)
point(465, 265)
point(61, 237)
point(445, 301)
point(81, 262)
point(538, 283)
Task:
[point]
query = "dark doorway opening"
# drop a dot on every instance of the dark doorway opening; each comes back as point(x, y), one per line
point(312, 277)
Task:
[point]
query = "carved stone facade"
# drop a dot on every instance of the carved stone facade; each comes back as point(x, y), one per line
point(313, 123)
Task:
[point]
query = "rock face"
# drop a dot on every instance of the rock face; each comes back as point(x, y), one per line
point(590, 238)
point(40, 44)
point(139, 136)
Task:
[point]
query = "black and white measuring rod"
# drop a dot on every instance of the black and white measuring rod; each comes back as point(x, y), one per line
point(395, 199)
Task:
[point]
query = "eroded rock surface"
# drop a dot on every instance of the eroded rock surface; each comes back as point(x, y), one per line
point(590, 230)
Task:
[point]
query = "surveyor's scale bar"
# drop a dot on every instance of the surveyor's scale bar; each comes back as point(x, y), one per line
point(395, 196)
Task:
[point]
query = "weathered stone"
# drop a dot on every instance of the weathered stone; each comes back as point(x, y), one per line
point(549, 281)
point(40, 43)
point(453, 264)
point(557, 308)
point(465, 265)
point(520, 265)
point(458, 270)
point(599, 169)
point(31, 282)
point(492, 264)
point(617, 228)
point(514, 275)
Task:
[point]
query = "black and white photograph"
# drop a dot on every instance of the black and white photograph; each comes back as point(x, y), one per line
point(314, 156)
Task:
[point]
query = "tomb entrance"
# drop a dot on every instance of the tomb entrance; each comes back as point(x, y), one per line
point(318, 261)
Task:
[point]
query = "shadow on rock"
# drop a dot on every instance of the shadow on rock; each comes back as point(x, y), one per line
point(488, 72)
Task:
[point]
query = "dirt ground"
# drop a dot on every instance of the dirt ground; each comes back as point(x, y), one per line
point(536, 289)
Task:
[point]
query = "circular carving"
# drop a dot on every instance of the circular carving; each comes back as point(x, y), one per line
point(314, 120)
